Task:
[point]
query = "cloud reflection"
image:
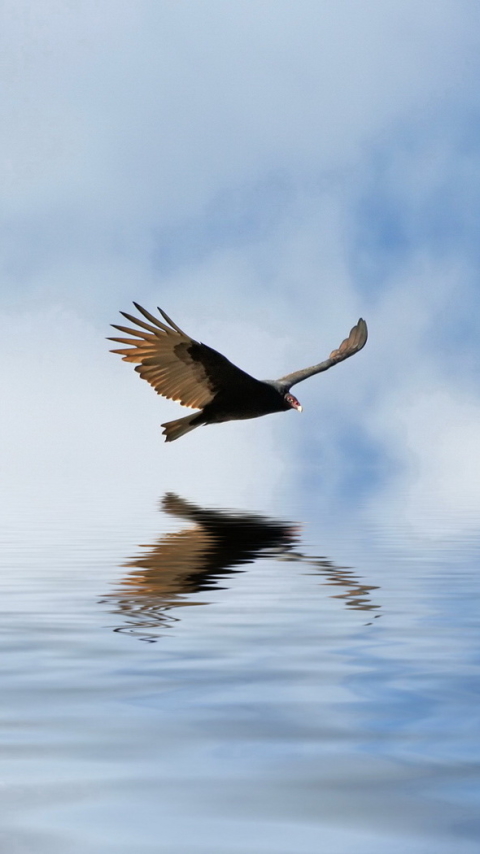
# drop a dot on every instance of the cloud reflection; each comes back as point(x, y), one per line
point(216, 543)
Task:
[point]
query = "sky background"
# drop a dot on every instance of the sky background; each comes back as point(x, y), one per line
point(267, 172)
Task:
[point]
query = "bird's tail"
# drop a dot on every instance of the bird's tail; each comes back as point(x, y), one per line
point(174, 429)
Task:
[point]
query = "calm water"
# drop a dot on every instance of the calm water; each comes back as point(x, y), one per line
point(201, 680)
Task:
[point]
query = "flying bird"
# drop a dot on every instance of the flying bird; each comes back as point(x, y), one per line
point(182, 369)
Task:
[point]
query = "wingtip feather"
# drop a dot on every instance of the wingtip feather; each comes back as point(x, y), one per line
point(170, 321)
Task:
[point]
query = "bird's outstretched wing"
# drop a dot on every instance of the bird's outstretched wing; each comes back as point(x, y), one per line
point(174, 364)
point(355, 341)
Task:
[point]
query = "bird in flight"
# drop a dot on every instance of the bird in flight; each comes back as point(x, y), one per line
point(182, 369)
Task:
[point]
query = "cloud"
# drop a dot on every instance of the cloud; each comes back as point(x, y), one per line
point(143, 114)
point(436, 494)
point(267, 173)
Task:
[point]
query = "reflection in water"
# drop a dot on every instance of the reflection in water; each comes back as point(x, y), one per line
point(192, 560)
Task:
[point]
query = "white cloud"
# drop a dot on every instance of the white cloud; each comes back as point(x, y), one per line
point(143, 111)
point(126, 123)
point(437, 493)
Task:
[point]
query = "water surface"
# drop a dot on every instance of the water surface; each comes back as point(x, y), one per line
point(215, 680)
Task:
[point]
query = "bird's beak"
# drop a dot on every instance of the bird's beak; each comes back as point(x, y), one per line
point(298, 407)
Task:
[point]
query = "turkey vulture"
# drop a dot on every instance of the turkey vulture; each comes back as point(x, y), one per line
point(182, 369)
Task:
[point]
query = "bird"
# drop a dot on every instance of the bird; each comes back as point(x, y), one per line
point(197, 376)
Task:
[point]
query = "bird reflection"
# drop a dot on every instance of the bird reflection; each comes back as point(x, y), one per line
point(213, 546)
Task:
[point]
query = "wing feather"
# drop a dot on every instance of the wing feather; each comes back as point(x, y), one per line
point(355, 341)
point(175, 365)
point(166, 317)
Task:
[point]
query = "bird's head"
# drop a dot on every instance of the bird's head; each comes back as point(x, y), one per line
point(292, 402)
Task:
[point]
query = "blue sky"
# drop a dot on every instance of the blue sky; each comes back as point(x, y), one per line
point(266, 172)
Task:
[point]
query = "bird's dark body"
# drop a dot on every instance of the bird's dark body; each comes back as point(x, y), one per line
point(262, 399)
point(180, 368)
point(247, 398)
